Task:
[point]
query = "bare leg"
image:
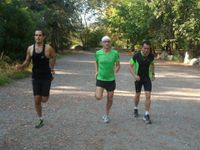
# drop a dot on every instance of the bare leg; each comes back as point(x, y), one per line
point(137, 99)
point(99, 93)
point(148, 100)
point(45, 99)
point(109, 102)
point(38, 107)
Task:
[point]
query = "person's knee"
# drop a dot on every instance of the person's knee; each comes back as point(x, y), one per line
point(45, 99)
point(148, 98)
point(98, 97)
point(37, 100)
point(110, 97)
point(137, 95)
point(148, 95)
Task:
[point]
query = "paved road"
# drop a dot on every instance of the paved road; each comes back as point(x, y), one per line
point(73, 116)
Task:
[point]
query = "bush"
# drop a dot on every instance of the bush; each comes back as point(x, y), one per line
point(177, 57)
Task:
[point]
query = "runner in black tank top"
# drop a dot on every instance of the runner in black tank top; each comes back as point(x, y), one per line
point(41, 68)
point(40, 54)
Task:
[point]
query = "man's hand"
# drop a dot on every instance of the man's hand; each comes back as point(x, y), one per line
point(137, 78)
point(19, 67)
point(53, 72)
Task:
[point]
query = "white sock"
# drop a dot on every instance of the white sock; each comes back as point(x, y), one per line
point(135, 107)
point(146, 113)
point(40, 118)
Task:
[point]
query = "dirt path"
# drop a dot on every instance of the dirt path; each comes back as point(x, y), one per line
point(73, 117)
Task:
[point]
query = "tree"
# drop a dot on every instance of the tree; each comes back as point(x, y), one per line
point(129, 20)
point(56, 17)
point(16, 29)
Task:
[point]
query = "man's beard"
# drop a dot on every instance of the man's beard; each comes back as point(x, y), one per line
point(39, 42)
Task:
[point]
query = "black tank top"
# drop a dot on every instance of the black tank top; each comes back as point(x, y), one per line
point(41, 68)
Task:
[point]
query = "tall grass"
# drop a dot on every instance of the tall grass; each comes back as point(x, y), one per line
point(8, 73)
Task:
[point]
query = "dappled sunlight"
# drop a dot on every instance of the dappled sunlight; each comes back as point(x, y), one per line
point(177, 75)
point(166, 97)
point(82, 61)
point(65, 88)
point(120, 91)
point(89, 93)
point(184, 92)
point(124, 63)
point(160, 76)
point(169, 95)
point(62, 72)
point(72, 92)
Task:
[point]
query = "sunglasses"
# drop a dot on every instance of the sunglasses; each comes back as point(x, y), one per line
point(106, 41)
point(38, 34)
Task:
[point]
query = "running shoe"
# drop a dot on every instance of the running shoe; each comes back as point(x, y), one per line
point(106, 119)
point(147, 119)
point(136, 113)
point(39, 124)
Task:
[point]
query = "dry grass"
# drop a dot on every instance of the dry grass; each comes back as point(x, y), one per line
point(8, 73)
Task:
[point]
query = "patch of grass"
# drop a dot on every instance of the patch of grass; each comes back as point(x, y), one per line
point(20, 74)
point(8, 73)
point(4, 79)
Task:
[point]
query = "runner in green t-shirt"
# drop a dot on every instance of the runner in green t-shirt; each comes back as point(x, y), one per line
point(107, 64)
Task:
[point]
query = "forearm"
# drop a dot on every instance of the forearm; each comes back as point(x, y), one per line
point(132, 71)
point(96, 67)
point(117, 67)
point(25, 64)
point(153, 69)
point(53, 63)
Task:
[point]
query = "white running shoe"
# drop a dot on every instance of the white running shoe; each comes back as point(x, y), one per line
point(106, 119)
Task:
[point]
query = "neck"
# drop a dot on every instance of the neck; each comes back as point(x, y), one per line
point(39, 44)
point(107, 49)
point(143, 54)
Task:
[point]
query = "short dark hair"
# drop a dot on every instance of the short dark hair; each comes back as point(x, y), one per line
point(43, 33)
point(146, 42)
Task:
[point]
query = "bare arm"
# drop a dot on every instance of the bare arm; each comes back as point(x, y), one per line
point(153, 71)
point(26, 62)
point(52, 55)
point(132, 71)
point(96, 69)
point(117, 66)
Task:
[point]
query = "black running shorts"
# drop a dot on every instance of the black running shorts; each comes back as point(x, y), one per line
point(108, 85)
point(41, 87)
point(146, 83)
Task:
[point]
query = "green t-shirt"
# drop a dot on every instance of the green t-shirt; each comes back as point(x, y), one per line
point(106, 63)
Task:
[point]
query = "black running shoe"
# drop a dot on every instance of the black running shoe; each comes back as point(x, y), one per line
point(136, 113)
point(147, 119)
point(39, 124)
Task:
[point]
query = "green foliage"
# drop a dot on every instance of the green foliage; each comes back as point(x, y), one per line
point(178, 21)
point(4, 79)
point(174, 23)
point(129, 20)
point(94, 38)
point(177, 57)
point(16, 29)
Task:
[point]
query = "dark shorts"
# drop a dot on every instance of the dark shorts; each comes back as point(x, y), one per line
point(41, 87)
point(108, 85)
point(146, 83)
